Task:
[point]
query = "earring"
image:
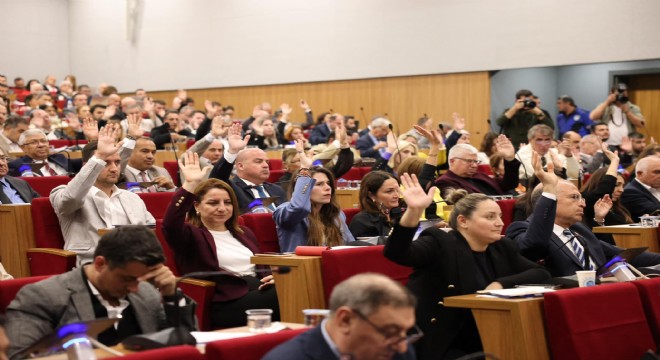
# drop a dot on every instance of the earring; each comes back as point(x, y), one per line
point(197, 212)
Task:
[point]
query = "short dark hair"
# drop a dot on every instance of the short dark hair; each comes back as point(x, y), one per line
point(597, 123)
point(130, 243)
point(14, 120)
point(78, 94)
point(568, 100)
point(636, 135)
point(200, 112)
point(89, 150)
point(523, 92)
point(97, 106)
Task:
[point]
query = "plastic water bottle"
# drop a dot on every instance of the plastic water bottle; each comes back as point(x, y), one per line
point(26, 171)
point(342, 183)
point(257, 207)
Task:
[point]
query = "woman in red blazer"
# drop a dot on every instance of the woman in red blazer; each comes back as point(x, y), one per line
point(212, 240)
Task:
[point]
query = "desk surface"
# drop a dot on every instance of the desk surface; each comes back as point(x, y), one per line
point(630, 236)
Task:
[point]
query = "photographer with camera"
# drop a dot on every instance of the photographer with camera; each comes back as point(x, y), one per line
point(620, 115)
point(524, 114)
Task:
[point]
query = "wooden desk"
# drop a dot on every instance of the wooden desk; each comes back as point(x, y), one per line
point(274, 154)
point(348, 198)
point(509, 328)
point(16, 236)
point(162, 156)
point(300, 289)
point(627, 236)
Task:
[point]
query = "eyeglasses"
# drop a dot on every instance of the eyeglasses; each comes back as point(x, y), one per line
point(393, 338)
point(576, 197)
point(470, 161)
point(40, 141)
point(4, 158)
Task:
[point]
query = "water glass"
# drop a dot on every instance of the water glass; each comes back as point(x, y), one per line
point(258, 320)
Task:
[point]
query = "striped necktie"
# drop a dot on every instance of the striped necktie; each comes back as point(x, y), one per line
point(262, 194)
point(578, 249)
point(49, 169)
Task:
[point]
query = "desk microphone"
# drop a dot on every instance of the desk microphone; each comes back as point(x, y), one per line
point(396, 141)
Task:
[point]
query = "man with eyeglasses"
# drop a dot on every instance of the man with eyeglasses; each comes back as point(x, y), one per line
point(540, 142)
point(371, 317)
point(554, 235)
point(35, 145)
point(14, 126)
point(13, 190)
point(463, 174)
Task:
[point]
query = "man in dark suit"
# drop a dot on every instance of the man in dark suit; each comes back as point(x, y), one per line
point(126, 280)
point(463, 174)
point(642, 195)
point(36, 148)
point(252, 172)
point(373, 143)
point(320, 133)
point(13, 190)
point(554, 234)
point(171, 131)
point(368, 315)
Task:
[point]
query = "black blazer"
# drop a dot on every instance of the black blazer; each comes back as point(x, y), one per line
point(319, 134)
point(366, 146)
point(161, 135)
point(444, 266)
point(638, 200)
point(369, 224)
point(72, 165)
point(24, 190)
point(537, 242)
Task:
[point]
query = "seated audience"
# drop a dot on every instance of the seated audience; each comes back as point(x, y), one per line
point(13, 190)
point(212, 213)
point(554, 233)
point(463, 174)
point(264, 135)
point(425, 123)
point(37, 150)
point(210, 147)
point(92, 201)
point(650, 150)
point(487, 147)
point(173, 130)
point(290, 164)
point(368, 315)
point(337, 155)
point(321, 131)
point(472, 257)
point(642, 195)
point(126, 280)
point(379, 205)
point(141, 168)
point(373, 144)
point(313, 216)
point(592, 157)
point(397, 152)
point(540, 141)
point(631, 147)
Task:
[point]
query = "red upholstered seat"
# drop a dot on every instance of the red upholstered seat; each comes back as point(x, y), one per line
point(58, 143)
point(649, 291)
point(44, 184)
point(350, 212)
point(275, 175)
point(355, 173)
point(339, 265)
point(275, 164)
point(48, 258)
point(585, 178)
point(364, 171)
point(157, 202)
point(264, 229)
point(508, 208)
point(190, 143)
point(485, 168)
point(186, 352)
point(9, 289)
point(172, 168)
point(249, 347)
point(599, 322)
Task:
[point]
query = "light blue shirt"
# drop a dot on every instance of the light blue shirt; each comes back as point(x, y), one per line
point(11, 193)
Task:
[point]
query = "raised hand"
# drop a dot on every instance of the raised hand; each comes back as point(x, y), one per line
point(626, 145)
point(106, 144)
point(109, 112)
point(555, 160)
point(217, 128)
point(564, 148)
point(391, 142)
point(90, 128)
point(414, 194)
point(286, 109)
point(611, 155)
point(305, 161)
point(235, 140)
point(148, 105)
point(459, 122)
point(433, 136)
point(191, 172)
point(182, 94)
point(505, 147)
point(341, 135)
point(602, 207)
point(304, 105)
point(134, 129)
point(547, 177)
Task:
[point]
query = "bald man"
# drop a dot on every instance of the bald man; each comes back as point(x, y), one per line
point(642, 195)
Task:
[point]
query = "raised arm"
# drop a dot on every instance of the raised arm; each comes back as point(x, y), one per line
point(293, 212)
point(222, 169)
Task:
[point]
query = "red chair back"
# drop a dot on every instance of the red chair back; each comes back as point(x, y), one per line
point(167, 250)
point(58, 143)
point(172, 168)
point(585, 178)
point(364, 171)
point(9, 289)
point(599, 322)
point(339, 265)
point(264, 229)
point(190, 143)
point(157, 202)
point(275, 164)
point(350, 212)
point(649, 291)
point(508, 208)
point(485, 168)
point(355, 173)
point(47, 231)
point(249, 347)
point(45, 184)
point(168, 353)
point(275, 175)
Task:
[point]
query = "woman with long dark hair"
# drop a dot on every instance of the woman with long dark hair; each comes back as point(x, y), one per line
point(379, 202)
point(313, 216)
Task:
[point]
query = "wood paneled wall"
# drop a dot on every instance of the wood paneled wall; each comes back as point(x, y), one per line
point(403, 99)
point(645, 92)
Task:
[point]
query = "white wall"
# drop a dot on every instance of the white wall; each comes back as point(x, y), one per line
point(35, 39)
point(210, 43)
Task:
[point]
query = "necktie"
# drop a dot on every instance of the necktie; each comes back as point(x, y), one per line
point(262, 194)
point(49, 169)
point(143, 175)
point(577, 248)
point(544, 162)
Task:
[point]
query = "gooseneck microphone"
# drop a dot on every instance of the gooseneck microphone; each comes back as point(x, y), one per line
point(396, 142)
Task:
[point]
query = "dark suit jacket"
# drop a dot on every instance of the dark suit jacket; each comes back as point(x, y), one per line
point(319, 134)
point(24, 190)
point(366, 146)
point(501, 186)
point(161, 135)
point(537, 241)
point(311, 345)
point(444, 266)
point(638, 200)
point(72, 165)
point(194, 247)
point(222, 171)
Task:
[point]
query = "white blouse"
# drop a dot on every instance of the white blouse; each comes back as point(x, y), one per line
point(232, 254)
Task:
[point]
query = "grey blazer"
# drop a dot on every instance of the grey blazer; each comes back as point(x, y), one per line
point(40, 308)
point(153, 172)
point(24, 190)
point(81, 214)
